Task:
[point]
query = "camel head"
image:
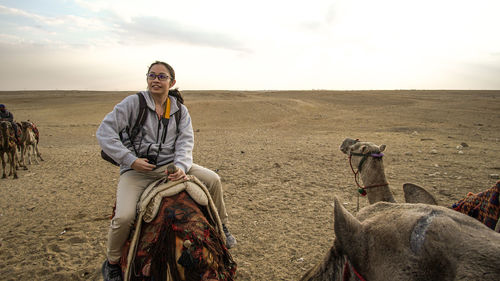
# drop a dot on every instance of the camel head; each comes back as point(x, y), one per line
point(351, 146)
point(359, 150)
point(5, 125)
point(391, 241)
point(6, 129)
point(25, 124)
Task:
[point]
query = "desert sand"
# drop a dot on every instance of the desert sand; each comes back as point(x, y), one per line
point(276, 152)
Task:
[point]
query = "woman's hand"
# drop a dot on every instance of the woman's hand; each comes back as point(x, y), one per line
point(179, 174)
point(142, 165)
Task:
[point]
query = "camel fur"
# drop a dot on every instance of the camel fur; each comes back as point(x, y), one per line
point(391, 241)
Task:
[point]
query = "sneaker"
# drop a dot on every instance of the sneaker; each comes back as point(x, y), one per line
point(230, 240)
point(111, 272)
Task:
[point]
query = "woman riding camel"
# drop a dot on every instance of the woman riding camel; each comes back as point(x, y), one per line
point(6, 115)
point(144, 159)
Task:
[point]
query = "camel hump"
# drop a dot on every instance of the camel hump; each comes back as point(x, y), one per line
point(417, 194)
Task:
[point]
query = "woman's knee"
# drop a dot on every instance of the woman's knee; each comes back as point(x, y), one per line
point(208, 177)
point(123, 219)
point(213, 181)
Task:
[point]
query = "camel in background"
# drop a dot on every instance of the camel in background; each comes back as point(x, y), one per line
point(37, 137)
point(367, 157)
point(20, 147)
point(401, 241)
point(8, 145)
point(30, 143)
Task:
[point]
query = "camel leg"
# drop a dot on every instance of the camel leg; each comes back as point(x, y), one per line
point(23, 151)
point(9, 160)
point(35, 150)
point(4, 175)
point(23, 154)
point(38, 153)
point(29, 154)
point(13, 164)
point(16, 160)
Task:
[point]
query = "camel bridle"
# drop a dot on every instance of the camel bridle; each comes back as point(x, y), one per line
point(346, 274)
point(362, 189)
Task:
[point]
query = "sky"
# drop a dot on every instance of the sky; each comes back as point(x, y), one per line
point(251, 45)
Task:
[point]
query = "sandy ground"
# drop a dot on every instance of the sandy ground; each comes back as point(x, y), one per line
point(276, 152)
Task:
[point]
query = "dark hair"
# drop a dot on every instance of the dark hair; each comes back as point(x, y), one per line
point(172, 92)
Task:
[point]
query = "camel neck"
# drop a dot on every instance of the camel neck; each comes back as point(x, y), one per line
point(374, 175)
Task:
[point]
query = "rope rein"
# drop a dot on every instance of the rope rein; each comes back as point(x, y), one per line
point(362, 189)
point(347, 273)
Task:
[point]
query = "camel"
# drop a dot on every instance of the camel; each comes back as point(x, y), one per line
point(37, 137)
point(8, 145)
point(178, 235)
point(367, 157)
point(401, 241)
point(30, 143)
point(20, 147)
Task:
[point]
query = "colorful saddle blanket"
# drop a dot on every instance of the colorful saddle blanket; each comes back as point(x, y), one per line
point(171, 216)
point(37, 133)
point(483, 206)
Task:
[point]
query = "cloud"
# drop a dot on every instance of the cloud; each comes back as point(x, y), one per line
point(148, 30)
point(17, 12)
point(56, 26)
point(111, 28)
point(325, 44)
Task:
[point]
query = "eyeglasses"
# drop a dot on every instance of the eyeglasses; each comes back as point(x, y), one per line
point(161, 76)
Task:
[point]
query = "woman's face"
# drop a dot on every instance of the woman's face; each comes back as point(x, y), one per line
point(157, 86)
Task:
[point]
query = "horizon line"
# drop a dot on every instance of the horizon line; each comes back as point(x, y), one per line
point(262, 90)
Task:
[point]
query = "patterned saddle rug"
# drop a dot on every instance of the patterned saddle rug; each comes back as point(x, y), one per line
point(170, 218)
point(37, 133)
point(483, 206)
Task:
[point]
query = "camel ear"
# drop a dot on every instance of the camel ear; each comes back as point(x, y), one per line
point(346, 226)
point(365, 149)
point(382, 147)
point(417, 194)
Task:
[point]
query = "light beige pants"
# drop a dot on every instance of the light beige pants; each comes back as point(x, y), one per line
point(130, 187)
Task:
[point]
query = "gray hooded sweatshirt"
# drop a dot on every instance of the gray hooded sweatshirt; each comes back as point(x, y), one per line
point(149, 139)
